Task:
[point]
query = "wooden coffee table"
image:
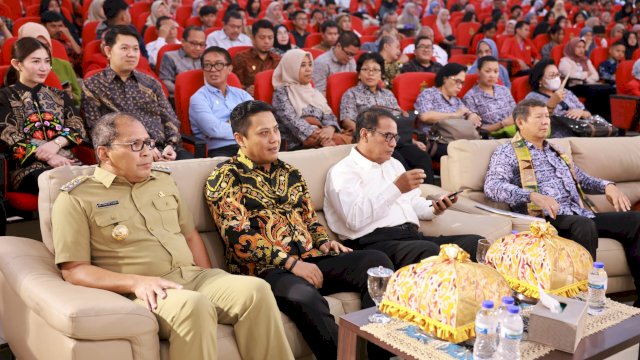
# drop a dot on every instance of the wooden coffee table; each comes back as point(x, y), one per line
point(597, 346)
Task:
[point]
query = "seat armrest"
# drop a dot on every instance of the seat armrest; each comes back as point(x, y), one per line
point(76, 311)
point(197, 147)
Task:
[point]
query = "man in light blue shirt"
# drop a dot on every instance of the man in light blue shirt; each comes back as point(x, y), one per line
point(210, 107)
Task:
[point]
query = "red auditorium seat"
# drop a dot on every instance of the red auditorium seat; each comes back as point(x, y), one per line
point(337, 85)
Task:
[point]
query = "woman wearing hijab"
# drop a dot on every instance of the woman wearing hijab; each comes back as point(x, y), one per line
point(583, 78)
point(409, 19)
point(444, 27)
point(510, 28)
point(586, 35)
point(433, 8)
point(633, 86)
point(305, 117)
point(54, 5)
point(282, 42)
point(558, 9)
point(274, 13)
point(158, 8)
point(630, 43)
point(95, 12)
point(62, 68)
point(487, 47)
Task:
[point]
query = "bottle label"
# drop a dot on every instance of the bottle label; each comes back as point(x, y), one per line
point(484, 330)
point(597, 286)
point(510, 335)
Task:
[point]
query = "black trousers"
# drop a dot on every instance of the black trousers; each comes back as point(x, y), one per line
point(306, 306)
point(412, 157)
point(229, 151)
point(405, 245)
point(621, 226)
point(595, 98)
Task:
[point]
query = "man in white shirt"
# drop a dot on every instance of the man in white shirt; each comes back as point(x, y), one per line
point(231, 34)
point(167, 34)
point(371, 202)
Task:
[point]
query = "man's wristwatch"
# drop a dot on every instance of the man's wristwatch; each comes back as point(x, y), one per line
point(58, 141)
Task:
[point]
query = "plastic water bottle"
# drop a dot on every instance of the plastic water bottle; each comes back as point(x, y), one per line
point(502, 310)
point(486, 337)
point(597, 289)
point(511, 331)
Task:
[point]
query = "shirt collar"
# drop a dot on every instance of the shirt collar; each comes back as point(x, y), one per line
point(249, 164)
point(333, 55)
point(111, 75)
point(360, 160)
point(106, 177)
point(214, 90)
point(362, 87)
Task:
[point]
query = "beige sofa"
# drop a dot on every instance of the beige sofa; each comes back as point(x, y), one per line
point(45, 317)
point(615, 159)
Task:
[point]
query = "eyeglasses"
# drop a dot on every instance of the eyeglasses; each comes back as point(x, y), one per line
point(553, 76)
point(138, 145)
point(349, 54)
point(218, 66)
point(371, 71)
point(457, 81)
point(424, 47)
point(197, 44)
point(387, 136)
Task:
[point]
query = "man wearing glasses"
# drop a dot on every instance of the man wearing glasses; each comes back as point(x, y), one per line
point(185, 59)
point(372, 203)
point(210, 107)
point(231, 34)
point(133, 235)
point(339, 59)
point(423, 61)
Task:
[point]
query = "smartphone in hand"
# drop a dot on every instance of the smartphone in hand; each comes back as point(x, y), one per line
point(450, 196)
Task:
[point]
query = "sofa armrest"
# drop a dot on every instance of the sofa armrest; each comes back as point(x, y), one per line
point(75, 311)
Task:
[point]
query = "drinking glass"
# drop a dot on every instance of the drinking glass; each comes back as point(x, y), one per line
point(377, 283)
point(481, 252)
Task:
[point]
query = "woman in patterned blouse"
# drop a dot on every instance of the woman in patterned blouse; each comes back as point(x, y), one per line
point(305, 117)
point(37, 123)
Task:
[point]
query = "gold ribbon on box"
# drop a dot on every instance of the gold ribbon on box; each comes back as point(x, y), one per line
point(540, 257)
point(442, 293)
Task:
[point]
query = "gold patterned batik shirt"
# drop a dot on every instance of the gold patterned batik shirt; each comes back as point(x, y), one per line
point(264, 216)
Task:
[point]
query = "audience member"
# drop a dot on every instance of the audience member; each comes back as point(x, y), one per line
point(368, 93)
point(545, 84)
point(300, 21)
point(491, 101)
point(6, 28)
point(116, 13)
point(389, 49)
point(52, 21)
point(274, 13)
point(558, 9)
point(39, 123)
point(154, 255)
point(576, 64)
point(254, 7)
point(520, 49)
point(387, 7)
point(439, 53)
point(158, 9)
point(208, 15)
point(329, 31)
point(442, 102)
point(62, 68)
point(444, 27)
point(95, 12)
point(630, 44)
point(248, 63)
point(305, 118)
point(487, 47)
point(187, 58)
point(210, 106)
point(167, 34)
point(282, 42)
point(544, 26)
point(510, 28)
point(122, 88)
point(586, 35)
point(423, 60)
point(372, 203)
point(339, 59)
point(607, 68)
point(433, 8)
point(317, 18)
point(56, 7)
point(536, 178)
point(409, 21)
point(291, 261)
point(231, 34)
point(344, 24)
point(556, 35)
point(633, 86)
point(616, 33)
point(385, 30)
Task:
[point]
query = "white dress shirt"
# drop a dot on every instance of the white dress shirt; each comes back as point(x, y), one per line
point(360, 196)
point(219, 38)
point(438, 53)
point(153, 48)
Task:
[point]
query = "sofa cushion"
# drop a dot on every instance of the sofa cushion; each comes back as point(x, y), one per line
point(616, 159)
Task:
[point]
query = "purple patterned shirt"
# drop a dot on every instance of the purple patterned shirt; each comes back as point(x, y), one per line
point(431, 99)
point(502, 182)
point(491, 108)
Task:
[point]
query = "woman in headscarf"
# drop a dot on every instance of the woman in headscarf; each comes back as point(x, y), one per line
point(95, 12)
point(536, 10)
point(409, 19)
point(487, 47)
point(583, 78)
point(586, 35)
point(305, 118)
point(558, 9)
point(62, 68)
point(544, 25)
point(433, 8)
point(592, 22)
point(630, 43)
point(616, 32)
point(274, 13)
point(54, 5)
point(282, 42)
point(158, 8)
point(38, 124)
point(633, 86)
point(444, 27)
point(510, 28)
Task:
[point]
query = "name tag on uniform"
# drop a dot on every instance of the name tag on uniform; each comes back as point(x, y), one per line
point(107, 204)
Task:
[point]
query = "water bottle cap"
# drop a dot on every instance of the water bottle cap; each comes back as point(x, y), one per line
point(512, 309)
point(514, 232)
point(598, 265)
point(487, 304)
point(508, 300)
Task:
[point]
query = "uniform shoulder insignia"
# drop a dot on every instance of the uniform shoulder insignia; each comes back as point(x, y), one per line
point(73, 183)
point(162, 168)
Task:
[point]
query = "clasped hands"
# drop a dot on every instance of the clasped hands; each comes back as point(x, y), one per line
point(311, 272)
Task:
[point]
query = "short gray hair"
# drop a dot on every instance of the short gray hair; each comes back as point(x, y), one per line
point(105, 130)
